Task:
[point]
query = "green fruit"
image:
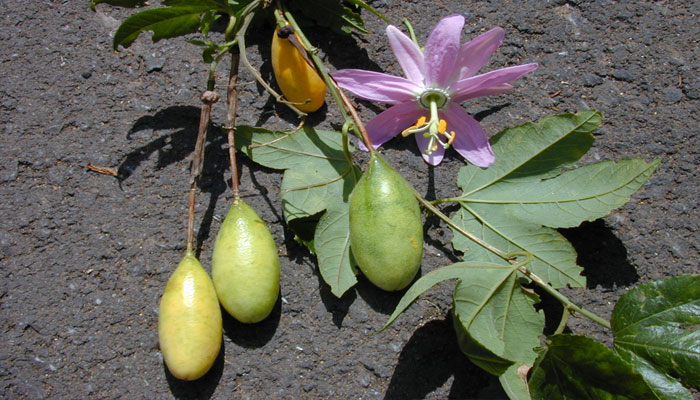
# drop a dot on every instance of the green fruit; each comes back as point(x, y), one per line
point(189, 321)
point(244, 266)
point(386, 231)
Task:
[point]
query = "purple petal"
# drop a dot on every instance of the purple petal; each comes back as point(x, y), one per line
point(471, 141)
point(408, 54)
point(474, 54)
point(498, 77)
point(433, 159)
point(376, 86)
point(391, 122)
point(491, 91)
point(441, 50)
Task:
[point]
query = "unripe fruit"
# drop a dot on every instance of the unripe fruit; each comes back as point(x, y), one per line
point(298, 81)
point(245, 266)
point(189, 321)
point(386, 231)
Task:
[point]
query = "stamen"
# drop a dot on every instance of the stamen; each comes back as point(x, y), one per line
point(433, 129)
point(418, 127)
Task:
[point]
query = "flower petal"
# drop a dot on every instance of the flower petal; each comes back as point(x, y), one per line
point(408, 54)
point(436, 156)
point(441, 50)
point(471, 141)
point(490, 91)
point(376, 86)
point(498, 77)
point(391, 122)
point(474, 54)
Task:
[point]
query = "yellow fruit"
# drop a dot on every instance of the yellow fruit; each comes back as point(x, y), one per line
point(245, 266)
point(298, 81)
point(189, 321)
point(386, 231)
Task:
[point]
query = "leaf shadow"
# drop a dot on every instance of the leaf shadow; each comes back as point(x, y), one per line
point(182, 123)
point(427, 362)
point(602, 255)
point(202, 388)
point(338, 307)
point(379, 300)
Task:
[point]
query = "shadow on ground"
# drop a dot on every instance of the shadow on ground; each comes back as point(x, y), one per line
point(429, 359)
point(602, 255)
point(202, 388)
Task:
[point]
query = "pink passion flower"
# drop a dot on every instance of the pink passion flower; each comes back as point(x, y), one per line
point(426, 102)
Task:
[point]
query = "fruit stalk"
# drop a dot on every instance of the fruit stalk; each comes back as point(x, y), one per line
point(208, 98)
point(231, 109)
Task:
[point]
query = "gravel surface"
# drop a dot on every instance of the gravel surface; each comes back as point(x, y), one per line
point(84, 257)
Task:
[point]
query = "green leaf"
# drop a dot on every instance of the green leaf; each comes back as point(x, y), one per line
point(318, 180)
point(362, 4)
point(494, 317)
point(165, 22)
point(554, 257)
point(514, 382)
point(515, 203)
point(657, 326)
point(582, 194)
point(499, 314)
point(534, 151)
point(118, 3)
point(427, 281)
point(576, 367)
point(664, 386)
point(210, 5)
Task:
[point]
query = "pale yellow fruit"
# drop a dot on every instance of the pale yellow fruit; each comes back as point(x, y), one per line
point(245, 266)
point(189, 321)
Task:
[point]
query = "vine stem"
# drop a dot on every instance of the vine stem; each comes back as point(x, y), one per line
point(568, 304)
point(337, 93)
point(428, 205)
point(346, 106)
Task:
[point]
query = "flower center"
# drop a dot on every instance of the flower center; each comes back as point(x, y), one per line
point(438, 96)
point(435, 128)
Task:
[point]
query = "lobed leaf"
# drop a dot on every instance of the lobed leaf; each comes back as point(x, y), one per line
point(499, 314)
point(165, 22)
point(494, 317)
point(515, 203)
point(514, 382)
point(582, 194)
point(118, 3)
point(554, 257)
point(577, 367)
point(318, 180)
point(657, 327)
point(534, 151)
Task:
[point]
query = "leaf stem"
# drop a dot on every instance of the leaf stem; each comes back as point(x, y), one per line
point(244, 59)
point(411, 33)
point(568, 304)
point(562, 323)
point(427, 204)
